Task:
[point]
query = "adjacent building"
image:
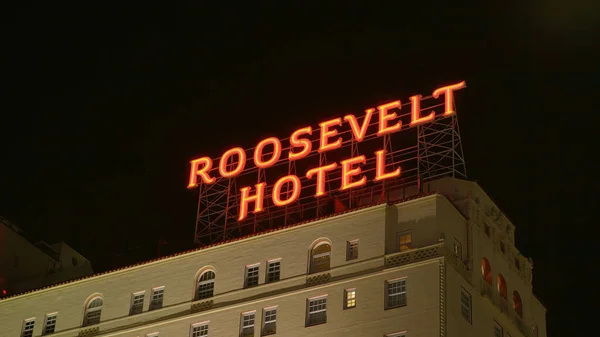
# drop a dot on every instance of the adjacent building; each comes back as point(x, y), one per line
point(436, 262)
point(26, 266)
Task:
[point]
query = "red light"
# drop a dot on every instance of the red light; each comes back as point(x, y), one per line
point(4, 292)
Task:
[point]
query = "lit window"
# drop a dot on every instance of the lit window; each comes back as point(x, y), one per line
point(396, 293)
point(251, 276)
point(158, 295)
point(50, 324)
point(404, 241)
point(28, 325)
point(269, 321)
point(273, 270)
point(316, 311)
point(199, 330)
point(502, 288)
point(352, 250)
point(137, 303)
point(517, 303)
point(247, 324)
point(497, 330)
point(320, 257)
point(93, 312)
point(465, 304)
point(350, 298)
point(206, 285)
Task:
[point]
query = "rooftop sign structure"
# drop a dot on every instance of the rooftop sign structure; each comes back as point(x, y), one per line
point(341, 163)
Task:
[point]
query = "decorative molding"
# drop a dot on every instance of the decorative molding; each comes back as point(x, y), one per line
point(442, 267)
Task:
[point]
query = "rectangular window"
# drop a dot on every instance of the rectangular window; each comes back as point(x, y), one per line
point(28, 325)
point(352, 250)
point(395, 293)
point(273, 270)
point(251, 276)
point(350, 298)
point(199, 329)
point(137, 303)
point(157, 298)
point(497, 330)
point(457, 249)
point(404, 241)
point(269, 321)
point(247, 324)
point(465, 304)
point(316, 311)
point(50, 324)
point(397, 334)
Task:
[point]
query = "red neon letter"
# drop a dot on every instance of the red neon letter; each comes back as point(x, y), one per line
point(359, 132)
point(302, 142)
point(295, 190)
point(416, 112)
point(203, 173)
point(320, 171)
point(348, 172)
point(448, 92)
point(258, 153)
point(257, 199)
point(384, 117)
point(326, 134)
point(380, 165)
point(240, 164)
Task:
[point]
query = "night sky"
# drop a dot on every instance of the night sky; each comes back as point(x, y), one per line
point(105, 106)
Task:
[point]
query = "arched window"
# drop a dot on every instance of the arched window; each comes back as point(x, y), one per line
point(486, 270)
point(320, 256)
point(93, 310)
point(206, 285)
point(517, 304)
point(502, 286)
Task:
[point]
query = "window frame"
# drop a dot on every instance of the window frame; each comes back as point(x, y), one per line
point(405, 292)
point(255, 275)
point(270, 263)
point(352, 250)
point(24, 325)
point(264, 320)
point(464, 291)
point(308, 312)
point(152, 304)
point(199, 324)
point(52, 314)
point(242, 327)
point(496, 327)
point(133, 299)
point(399, 245)
point(199, 283)
point(89, 310)
point(346, 299)
point(315, 265)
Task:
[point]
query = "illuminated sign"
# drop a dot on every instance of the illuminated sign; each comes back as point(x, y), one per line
point(380, 122)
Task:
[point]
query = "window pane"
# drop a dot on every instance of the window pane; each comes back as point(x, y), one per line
point(273, 271)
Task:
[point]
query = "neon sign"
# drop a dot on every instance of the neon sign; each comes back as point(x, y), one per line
point(287, 189)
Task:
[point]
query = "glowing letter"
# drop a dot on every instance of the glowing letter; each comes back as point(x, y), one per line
point(240, 164)
point(326, 134)
point(257, 199)
point(380, 165)
point(295, 190)
point(448, 93)
point(359, 132)
point(416, 112)
point(384, 117)
point(259, 149)
point(302, 142)
point(320, 171)
point(348, 172)
point(203, 173)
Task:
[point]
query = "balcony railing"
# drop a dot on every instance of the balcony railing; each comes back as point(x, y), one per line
point(414, 255)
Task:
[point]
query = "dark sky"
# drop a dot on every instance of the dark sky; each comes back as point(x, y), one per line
point(105, 107)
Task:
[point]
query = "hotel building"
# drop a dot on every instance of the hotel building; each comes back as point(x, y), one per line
point(436, 262)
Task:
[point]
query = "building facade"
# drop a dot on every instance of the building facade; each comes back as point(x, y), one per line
point(441, 262)
point(26, 266)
